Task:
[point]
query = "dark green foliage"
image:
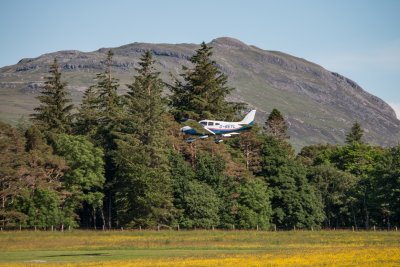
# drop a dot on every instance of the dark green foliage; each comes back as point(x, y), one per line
point(181, 175)
point(202, 93)
point(335, 188)
point(148, 176)
point(275, 154)
point(254, 205)
point(88, 119)
point(316, 154)
point(276, 125)
point(53, 113)
point(84, 178)
point(42, 208)
point(100, 117)
point(387, 187)
point(360, 160)
point(294, 199)
point(355, 178)
point(201, 206)
point(355, 134)
point(145, 105)
point(209, 169)
point(107, 86)
point(144, 194)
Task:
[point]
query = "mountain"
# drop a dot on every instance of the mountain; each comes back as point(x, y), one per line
point(320, 106)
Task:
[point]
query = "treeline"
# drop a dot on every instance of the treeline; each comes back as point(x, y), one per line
point(121, 161)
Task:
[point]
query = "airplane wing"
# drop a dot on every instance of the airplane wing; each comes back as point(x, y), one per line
point(208, 130)
point(192, 127)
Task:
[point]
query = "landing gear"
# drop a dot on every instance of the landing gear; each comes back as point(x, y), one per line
point(218, 140)
point(190, 140)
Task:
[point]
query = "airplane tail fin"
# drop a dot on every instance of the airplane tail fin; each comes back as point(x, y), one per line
point(249, 118)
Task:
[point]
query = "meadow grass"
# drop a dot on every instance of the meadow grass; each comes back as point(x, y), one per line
point(200, 248)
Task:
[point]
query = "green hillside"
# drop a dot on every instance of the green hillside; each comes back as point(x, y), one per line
point(320, 106)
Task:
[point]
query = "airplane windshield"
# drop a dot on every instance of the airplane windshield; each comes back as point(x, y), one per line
point(203, 123)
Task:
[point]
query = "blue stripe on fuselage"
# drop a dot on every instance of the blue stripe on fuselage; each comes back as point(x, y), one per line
point(223, 131)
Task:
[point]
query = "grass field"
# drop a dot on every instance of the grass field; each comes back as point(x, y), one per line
point(200, 248)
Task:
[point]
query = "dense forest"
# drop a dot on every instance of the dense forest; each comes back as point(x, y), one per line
point(121, 161)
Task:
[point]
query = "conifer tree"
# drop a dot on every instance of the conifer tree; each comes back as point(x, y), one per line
point(53, 113)
point(100, 117)
point(201, 94)
point(355, 134)
point(108, 99)
point(276, 125)
point(145, 104)
point(144, 195)
point(87, 119)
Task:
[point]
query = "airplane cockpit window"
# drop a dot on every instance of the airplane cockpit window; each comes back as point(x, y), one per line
point(203, 123)
point(210, 123)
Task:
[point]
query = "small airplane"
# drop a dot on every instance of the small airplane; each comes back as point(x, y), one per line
point(218, 128)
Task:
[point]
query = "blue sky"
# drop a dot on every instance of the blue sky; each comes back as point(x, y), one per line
point(358, 39)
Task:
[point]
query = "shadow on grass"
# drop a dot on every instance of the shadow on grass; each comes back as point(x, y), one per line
point(77, 255)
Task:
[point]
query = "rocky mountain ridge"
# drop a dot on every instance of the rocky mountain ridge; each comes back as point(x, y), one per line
point(319, 105)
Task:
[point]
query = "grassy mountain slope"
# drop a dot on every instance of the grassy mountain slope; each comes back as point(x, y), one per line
point(319, 105)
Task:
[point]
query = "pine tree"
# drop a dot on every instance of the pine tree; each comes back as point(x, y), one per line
point(144, 190)
point(108, 99)
point(146, 106)
point(53, 113)
point(100, 118)
point(87, 119)
point(276, 125)
point(202, 93)
point(355, 134)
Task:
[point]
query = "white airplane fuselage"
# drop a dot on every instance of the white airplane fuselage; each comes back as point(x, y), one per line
point(224, 128)
point(221, 128)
